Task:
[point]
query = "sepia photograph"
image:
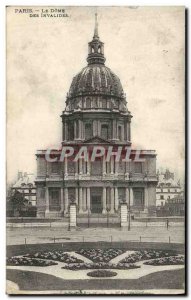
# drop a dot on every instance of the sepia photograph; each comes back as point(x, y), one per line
point(95, 162)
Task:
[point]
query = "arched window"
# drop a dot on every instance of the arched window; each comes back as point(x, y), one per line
point(93, 50)
point(104, 131)
point(88, 131)
point(120, 133)
point(99, 49)
point(88, 103)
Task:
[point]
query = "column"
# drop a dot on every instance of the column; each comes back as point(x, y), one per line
point(94, 127)
point(65, 200)
point(146, 197)
point(80, 129)
point(80, 166)
point(131, 197)
point(98, 128)
point(80, 200)
point(88, 166)
point(47, 200)
point(112, 200)
point(116, 167)
point(88, 199)
point(62, 199)
point(84, 199)
point(104, 201)
point(66, 131)
point(127, 169)
point(65, 166)
point(76, 168)
point(76, 192)
point(74, 129)
point(104, 166)
point(127, 196)
point(112, 164)
point(114, 125)
point(63, 131)
point(127, 128)
point(116, 199)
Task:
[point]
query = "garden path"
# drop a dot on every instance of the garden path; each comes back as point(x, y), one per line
point(79, 256)
point(57, 271)
point(116, 259)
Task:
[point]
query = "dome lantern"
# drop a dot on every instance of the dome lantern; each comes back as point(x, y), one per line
point(96, 48)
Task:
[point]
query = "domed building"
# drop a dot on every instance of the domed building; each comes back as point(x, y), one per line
point(96, 114)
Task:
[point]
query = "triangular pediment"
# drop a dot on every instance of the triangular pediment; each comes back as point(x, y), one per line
point(96, 140)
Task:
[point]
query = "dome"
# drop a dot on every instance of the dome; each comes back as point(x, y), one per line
point(96, 79)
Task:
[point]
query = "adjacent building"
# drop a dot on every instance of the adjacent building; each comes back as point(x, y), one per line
point(25, 185)
point(167, 187)
point(172, 207)
point(96, 113)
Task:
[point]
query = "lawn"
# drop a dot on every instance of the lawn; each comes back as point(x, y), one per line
point(33, 281)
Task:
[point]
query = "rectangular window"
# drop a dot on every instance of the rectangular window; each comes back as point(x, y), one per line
point(71, 167)
point(104, 103)
point(88, 131)
point(104, 132)
point(54, 200)
point(161, 197)
point(55, 167)
point(96, 167)
point(121, 167)
point(137, 167)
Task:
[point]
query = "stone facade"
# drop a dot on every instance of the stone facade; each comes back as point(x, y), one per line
point(167, 188)
point(96, 113)
point(26, 186)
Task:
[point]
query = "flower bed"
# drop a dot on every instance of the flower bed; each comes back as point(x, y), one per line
point(171, 260)
point(56, 255)
point(100, 265)
point(102, 273)
point(100, 255)
point(26, 261)
point(146, 255)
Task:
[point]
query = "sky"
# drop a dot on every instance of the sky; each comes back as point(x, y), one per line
point(144, 46)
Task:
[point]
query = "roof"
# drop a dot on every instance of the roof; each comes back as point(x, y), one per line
point(96, 78)
point(25, 180)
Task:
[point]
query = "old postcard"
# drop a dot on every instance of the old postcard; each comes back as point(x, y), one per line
point(95, 150)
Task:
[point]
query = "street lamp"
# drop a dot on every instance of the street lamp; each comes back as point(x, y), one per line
point(88, 217)
point(129, 212)
point(129, 206)
point(107, 209)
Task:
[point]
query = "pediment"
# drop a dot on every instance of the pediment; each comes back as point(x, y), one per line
point(96, 140)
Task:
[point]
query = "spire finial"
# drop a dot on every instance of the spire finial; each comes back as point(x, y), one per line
point(96, 36)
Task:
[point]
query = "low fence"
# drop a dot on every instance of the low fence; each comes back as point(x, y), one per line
point(136, 223)
point(99, 239)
